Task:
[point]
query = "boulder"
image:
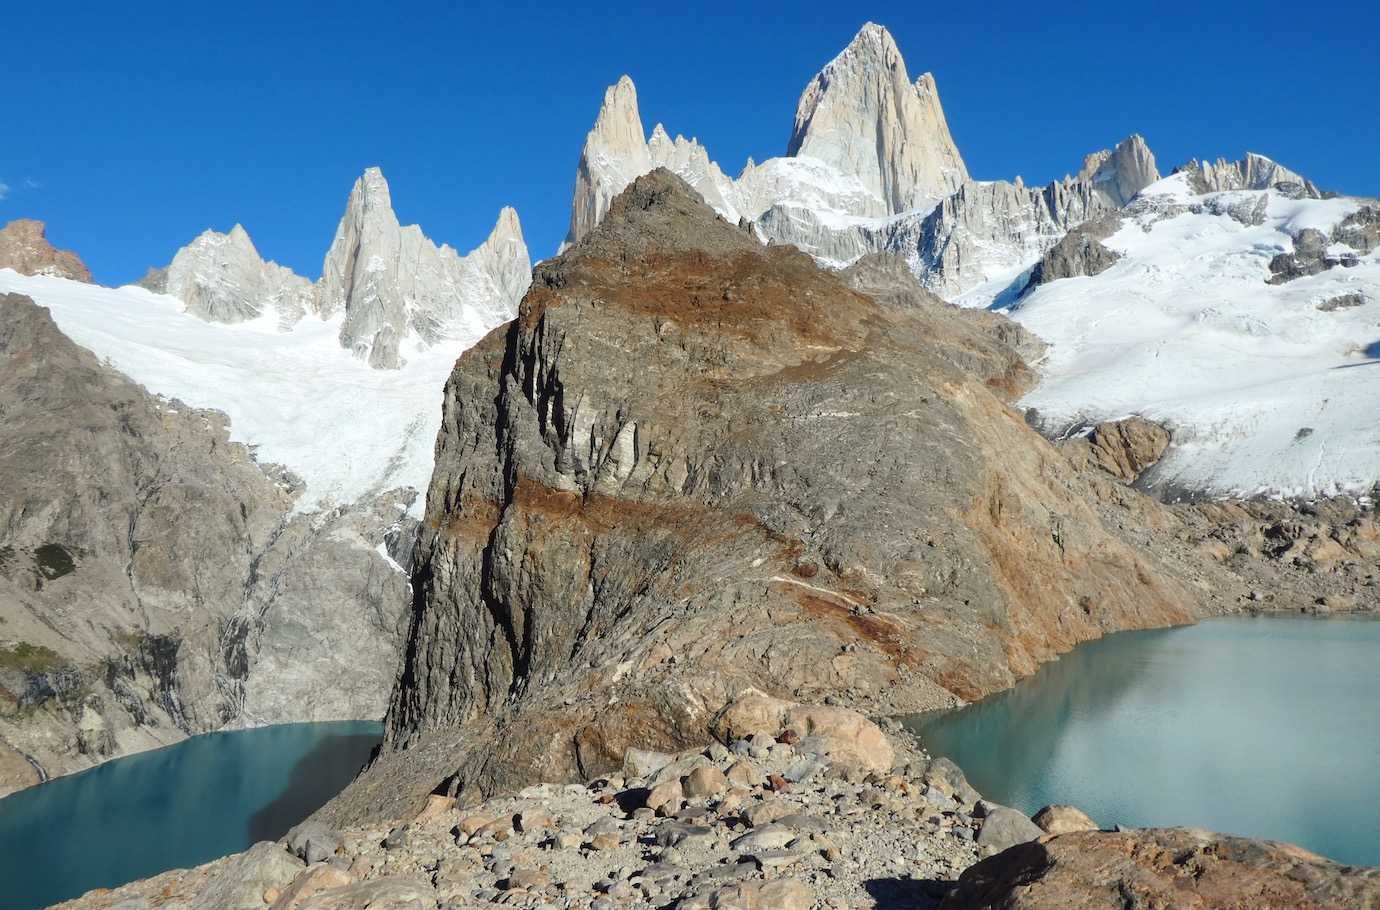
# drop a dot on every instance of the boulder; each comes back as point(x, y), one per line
point(1004, 827)
point(1058, 819)
point(313, 841)
point(703, 782)
point(1168, 867)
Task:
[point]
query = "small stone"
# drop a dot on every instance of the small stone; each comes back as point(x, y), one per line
point(472, 823)
point(533, 820)
point(396, 839)
point(271, 894)
point(528, 879)
point(777, 783)
point(604, 842)
point(770, 837)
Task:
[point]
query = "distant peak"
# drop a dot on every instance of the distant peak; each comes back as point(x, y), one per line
point(372, 189)
point(507, 227)
point(872, 38)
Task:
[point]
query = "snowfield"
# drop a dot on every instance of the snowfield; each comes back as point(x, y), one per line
point(1266, 394)
point(296, 397)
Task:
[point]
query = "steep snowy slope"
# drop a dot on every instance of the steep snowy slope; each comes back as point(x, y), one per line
point(1269, 388)
point(297, 396)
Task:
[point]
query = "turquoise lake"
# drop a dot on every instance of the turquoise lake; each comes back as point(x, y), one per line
point(171, 808)
point(1265, 727)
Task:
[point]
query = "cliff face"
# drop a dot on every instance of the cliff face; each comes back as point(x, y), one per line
point(154, 581)
point(695, 464)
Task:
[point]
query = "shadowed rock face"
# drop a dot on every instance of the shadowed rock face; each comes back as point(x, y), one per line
point(1170, 867)
point(694, 464)
point(24, 247)
point(153, 580)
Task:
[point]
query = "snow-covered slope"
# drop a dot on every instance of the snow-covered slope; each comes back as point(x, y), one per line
point(297, 396)
point(1268, 388)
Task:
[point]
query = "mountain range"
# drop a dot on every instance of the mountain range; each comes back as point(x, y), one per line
point(1227, 304)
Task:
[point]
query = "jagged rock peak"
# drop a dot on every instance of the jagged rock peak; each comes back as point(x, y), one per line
point(390, 282)
point(24, 247)
point(1123, 171)
point(615, 151)
point(222, 278)
point(1253, 172)
point(863, 115)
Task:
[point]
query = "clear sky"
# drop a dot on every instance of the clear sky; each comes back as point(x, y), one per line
point(130, 128)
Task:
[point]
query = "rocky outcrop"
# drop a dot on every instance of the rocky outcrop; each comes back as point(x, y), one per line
point(1253, 172)
point(391, 283)
point(1078, 254)
point(24, 247)
point(992, 230)
point(1314, 252)
point(1124, 449)
point(695, 465)
point(1168, 867)
point(862, 115)
point(222, 278)
point(154, 580)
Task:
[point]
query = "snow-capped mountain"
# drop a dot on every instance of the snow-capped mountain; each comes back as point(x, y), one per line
point(870, 167)
point(340, 381)
point(1245, 319)
point(392, 287)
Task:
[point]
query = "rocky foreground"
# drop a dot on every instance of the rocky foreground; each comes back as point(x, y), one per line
point(792, 807)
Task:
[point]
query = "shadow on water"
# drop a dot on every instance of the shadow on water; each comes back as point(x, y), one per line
point(1029, 720)
point(315, 778)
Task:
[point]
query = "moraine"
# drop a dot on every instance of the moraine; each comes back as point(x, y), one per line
point(1263, 727)
point(173, 807)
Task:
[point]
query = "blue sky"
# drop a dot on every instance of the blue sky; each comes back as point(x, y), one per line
point(129, 128)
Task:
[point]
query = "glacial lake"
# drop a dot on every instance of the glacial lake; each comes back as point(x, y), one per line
point(171, 808)
point(1264, 727)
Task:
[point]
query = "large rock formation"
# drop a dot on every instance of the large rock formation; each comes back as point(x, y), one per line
point(695, 464)
point(222, 278)
point(864, 116)
point(392, 283)
point(154, 581)
point(24, 247)
point(1168, 867)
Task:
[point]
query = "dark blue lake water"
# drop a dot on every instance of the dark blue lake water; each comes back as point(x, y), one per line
point(1265, 727)
point(171, 808)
